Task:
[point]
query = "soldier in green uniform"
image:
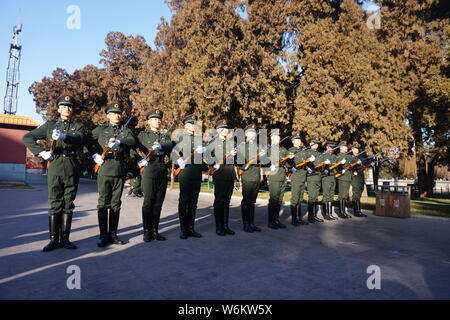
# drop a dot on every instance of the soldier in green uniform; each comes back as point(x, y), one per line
point(64, 171)
point(298, 181)
point(357, 183)
point(155, 176)
point(276, 179)
point(118, 139)
point(313, 180)
point(328, 181)
point(344, 180)
point(224, 177)
point(188, 155)
point(250, 176)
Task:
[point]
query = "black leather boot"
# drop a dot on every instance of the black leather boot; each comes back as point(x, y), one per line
point(226, 216)
point(277, 217)
point(191, 221)
point(182, 211)
point(294, 218)
point(54, 226)
point(154, 234)
point(324, 210)
point(103, 226)
point(245, 212)
point(219, 220)
point(316, 209)
point(329, 209)
point(342, 209)
point(252, 218)
point(357, 209)
point(271, 216)
point(300, 216)
point(114, 216)
point(66, 225)
point(311, 213)
point(146, 225)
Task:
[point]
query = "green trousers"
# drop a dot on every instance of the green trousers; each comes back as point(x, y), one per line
point(110, 192)
point(250, 190)
point(328, 187)
point(223, 191)
point(276, 190)
point(313, 183)
point(357, 186)
point(344, 187)
point(62, 191)
point(154, 194)
point(297, 190)
point(189, 191)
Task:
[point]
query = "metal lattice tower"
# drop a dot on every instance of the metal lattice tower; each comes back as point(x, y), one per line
point(12, 73)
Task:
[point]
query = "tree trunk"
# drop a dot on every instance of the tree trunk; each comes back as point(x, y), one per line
point(426, 176)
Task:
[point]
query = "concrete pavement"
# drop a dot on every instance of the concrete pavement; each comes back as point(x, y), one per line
point(321, 261)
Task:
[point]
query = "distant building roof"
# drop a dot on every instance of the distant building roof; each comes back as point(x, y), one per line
point(17, 120)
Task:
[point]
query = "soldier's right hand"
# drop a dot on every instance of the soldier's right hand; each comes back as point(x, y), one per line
point(216, 166)
point(113, 143)
point(143, 163)
point(312, 158)
point(293, 170)
point(343, 161)
point(181, 163)
point(46, 155)
point(98, 159)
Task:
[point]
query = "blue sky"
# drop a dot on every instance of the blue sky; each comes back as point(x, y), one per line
point(47, 43)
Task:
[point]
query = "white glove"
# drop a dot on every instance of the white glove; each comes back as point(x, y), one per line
point(372, 164)
point(312, 158)
point(327, 162)
point(293, 170)
point(46, 155)
point(310, 171)
point(217, 166)
point(98, 159)
point(355, 173)
point(58, 135)
point(262, 153)
point(326, 171)
point(273, 168)
point(291, 156)
point(343, 161)
point(200, 150)
point(181, 163)
point(143, 163)
point(344, 171)
point(113, 143)
point(233, 152)
point(157, 146)
point(359, 161)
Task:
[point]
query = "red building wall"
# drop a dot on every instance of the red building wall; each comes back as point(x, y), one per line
point(12, 149)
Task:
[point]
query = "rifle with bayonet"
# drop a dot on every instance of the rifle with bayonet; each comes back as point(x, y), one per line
point(251, 161)
point(337, 175)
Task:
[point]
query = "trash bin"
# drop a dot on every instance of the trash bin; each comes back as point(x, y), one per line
point(393, 201)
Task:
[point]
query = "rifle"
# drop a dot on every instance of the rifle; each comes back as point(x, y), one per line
point(107, 148)
point(149, 155)
point(367, 166)
point(53, 144)
point(250, 162)
point(324, 162)
point(301, 164)
point(279, 163)
point(177, 172)
point(337, 175)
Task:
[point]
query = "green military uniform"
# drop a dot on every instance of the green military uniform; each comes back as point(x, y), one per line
point(251, 180)
point(357, 184)
point(343, 181)
point(190, 179)
point(313, 182)
point(277, 184)
point(63, 173)
point(111, 175)
point(328, 183)
point(223, 179)
point(154, 178)
point(298, 183)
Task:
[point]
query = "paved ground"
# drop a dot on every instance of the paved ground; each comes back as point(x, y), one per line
point(325, 261)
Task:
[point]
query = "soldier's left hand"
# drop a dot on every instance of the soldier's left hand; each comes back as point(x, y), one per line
point(291, 156)
point(143, 163)
point(157, 146)
point(58, 135)
point(113, 143)
point(273, 168)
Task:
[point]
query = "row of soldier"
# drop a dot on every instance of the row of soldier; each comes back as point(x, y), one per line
point(108, 144)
